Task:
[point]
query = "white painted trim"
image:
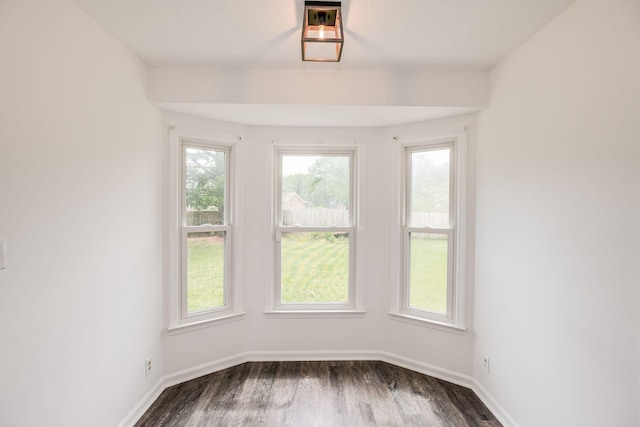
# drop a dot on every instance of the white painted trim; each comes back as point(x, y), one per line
point(174, 239)
point(268, 356)
point(405, 316)
point(427, 369)
point(309, 355)
point(204, 369)
point(145, 403)
point(462, 244)
point(355, 300)
point(181, 137)
point(315, 314)
point(455, 140)
point(269, 249)
point(289, 356)
point(359, 220)
point(223, 316)
point(490, 402)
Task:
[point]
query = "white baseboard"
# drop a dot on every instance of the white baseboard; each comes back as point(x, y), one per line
point(424, 368)
point(204, 369)
point(291, 356)
point(145, 403)
point(490, 402)
point(268, 356)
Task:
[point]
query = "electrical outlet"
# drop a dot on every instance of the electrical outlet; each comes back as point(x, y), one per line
point(485, 363)
point(147, 366)
point(3, 254)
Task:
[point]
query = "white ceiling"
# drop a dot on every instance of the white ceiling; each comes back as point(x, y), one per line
point(380, 34)
point(383, 33)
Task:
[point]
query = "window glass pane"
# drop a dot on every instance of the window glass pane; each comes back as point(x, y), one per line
point(428, 272)
point(205, 270)
point(204, 186)
point(315, 190)
point(430, 188)
point(315, 267)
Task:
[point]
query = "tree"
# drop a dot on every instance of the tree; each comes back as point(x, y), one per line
point(325, 185)
point(330, 186)
point(299, 183)
point(205, 174)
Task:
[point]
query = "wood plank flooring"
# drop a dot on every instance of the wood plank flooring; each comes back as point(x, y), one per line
point(323, 394)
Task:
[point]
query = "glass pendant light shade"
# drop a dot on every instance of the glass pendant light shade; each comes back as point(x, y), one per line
point(322, 36)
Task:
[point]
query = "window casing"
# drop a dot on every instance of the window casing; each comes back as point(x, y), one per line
point(432, 221)
point(202, 233)
point(315, 229)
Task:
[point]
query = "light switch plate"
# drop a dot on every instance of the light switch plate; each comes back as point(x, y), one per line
point(3, 254)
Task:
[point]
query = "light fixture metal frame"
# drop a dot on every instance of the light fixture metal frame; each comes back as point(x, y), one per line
point(338, 41)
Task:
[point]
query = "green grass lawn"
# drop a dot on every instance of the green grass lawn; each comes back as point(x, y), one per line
point(315, 269)
point(205, 272)
point(428, 274)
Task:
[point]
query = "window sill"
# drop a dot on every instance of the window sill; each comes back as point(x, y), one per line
point(199, 324)
point(429, 323)
point(313, 314)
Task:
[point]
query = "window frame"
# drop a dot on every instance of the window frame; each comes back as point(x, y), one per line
point(352, 305)
point(180, 320)
point(453, 319)
point(185, 229)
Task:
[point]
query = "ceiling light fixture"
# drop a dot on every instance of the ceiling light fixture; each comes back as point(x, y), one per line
point(322, 37)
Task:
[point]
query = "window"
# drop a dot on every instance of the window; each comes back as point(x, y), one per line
point(314, 231)
point(203, 237)
point(432, 238)
point(205, 229)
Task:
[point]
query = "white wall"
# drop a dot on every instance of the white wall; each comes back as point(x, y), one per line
point(80, 207)
point(304, 337)
point(82, 167)
point(558, 236)
point(82, 189)
point(448, 88)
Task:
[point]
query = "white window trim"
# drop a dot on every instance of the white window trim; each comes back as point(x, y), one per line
point(179, 319)
point(455, 320)
point(355, 305)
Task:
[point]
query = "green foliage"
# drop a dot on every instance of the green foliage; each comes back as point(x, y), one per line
point(300, 183)
point(329, 237)
point(325, 185)
point(205, 173)
point(330, 187)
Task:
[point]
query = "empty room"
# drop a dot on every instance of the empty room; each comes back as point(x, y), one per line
point(319, 213)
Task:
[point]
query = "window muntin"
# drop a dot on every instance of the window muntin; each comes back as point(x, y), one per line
point(205, 230)
point(429, 232)
point(314, 232)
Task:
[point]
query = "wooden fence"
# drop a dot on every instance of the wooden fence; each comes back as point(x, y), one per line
point(316, 217)
point(430, 219)
point(205, 217)
point(320, 218)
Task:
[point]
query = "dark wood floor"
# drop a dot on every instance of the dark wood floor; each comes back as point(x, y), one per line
point(327, 394)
